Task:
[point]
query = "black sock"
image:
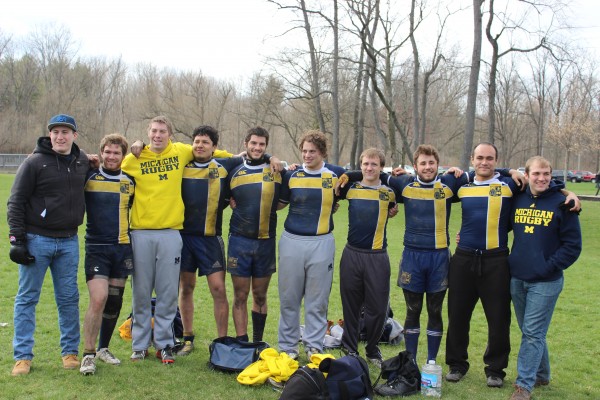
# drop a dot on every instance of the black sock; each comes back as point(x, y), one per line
point(110, 316)
point(190, 338)
point(243, 338)
point(258, 326)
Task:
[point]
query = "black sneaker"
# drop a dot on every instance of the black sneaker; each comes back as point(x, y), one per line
point(348, 352)
point(495, 381)
point(166, 355)
point(454, 376)
point(376, 359)
point(399, 386)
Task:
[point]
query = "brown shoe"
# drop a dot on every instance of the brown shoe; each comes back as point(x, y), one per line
point(21, 367)
point(541, 382)
point(70, 361)
point(520, 394)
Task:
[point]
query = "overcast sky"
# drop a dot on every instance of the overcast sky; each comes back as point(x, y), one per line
point(223, 38)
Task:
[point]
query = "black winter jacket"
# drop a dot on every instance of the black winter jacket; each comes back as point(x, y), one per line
point(47, 195)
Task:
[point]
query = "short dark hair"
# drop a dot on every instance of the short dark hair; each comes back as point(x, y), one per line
point(206, 130)
point(257, 131)
point(317, 138)
point(114, 138)
point(487, 144)
point(426, 150)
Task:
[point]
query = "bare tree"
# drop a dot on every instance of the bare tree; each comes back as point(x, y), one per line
point(473, 84)
point(509, 25)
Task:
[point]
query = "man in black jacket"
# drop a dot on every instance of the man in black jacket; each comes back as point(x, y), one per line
point(45, 208)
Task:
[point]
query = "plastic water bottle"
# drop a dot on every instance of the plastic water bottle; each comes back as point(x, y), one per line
point(431, 379)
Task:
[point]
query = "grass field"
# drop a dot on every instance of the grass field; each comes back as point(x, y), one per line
point(573, 338)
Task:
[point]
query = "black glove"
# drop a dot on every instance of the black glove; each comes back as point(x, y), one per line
point(19, 253)
point(568, 206)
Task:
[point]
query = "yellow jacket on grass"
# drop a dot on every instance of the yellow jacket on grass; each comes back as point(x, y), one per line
point(157, 203)
point(316, 359)
point(271, 364)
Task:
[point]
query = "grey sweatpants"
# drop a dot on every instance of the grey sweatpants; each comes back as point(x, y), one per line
point(305, 270)
point(156, 260)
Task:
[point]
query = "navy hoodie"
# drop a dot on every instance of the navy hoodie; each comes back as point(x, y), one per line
point(547, 238)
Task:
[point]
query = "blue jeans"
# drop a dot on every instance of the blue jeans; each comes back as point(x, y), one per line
point(534, 304)
point(62, 256)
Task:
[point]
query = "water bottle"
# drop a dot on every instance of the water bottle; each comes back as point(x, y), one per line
point(431, 379)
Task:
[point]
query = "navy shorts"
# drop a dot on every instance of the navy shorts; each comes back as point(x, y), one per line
point(108, 261)
point(424, 271)
point(203, 253)
point(251, 257)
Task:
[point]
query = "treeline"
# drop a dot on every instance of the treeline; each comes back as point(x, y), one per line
point(365, 75)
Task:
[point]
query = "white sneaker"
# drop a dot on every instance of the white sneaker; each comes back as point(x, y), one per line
point(292, 354)
point(105, 355)
point(88, 365)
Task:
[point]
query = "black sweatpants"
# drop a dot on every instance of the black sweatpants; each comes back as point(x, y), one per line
point(475, 275)
point(364, 280)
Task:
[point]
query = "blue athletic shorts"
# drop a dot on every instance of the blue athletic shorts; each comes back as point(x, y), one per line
point(251, 257)
point(424, 271)
point(108, 261)
point(203, 253)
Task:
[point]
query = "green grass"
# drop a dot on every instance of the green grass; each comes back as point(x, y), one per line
point(583, 188)
point(573, 338)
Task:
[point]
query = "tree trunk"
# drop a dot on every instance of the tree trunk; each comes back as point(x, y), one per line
point(415, 83)
point(314, 70)
point(492, 77)
point(335, 150)
point(473, 85)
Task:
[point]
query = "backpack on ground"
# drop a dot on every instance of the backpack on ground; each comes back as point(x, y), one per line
point(306, 384)
point(347, 378)
point(402, 374)
point(230, 354)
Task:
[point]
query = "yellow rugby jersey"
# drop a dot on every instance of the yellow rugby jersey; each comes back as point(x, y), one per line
point(108, 197)
point(157, 203)
point(256, 192)
point(204, 188)
point(311, 198)
point(427, 207)
point(486, 213)
point(368, 215)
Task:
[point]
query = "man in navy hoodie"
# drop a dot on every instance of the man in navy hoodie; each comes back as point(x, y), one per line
point(547, 240)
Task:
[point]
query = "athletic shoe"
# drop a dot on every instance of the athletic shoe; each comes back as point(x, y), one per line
point(188, 347)
point(376, 360)
point(88, 365)
point(495, 381)
point(105, 355)
point(400, 386)
point(138, 355)
point(310, 351)
point(70, 361)
point(348, 352)
point(292, 354)
point(22, 367)
point(276, 384)
point(454, 376)
point(166, 355)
